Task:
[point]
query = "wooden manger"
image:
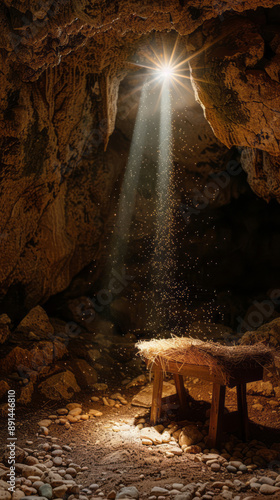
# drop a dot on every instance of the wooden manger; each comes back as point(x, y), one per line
point(224, 366)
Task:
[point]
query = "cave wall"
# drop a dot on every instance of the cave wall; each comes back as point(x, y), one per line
point(55, 189)
point(61, 66)
point(236, 80)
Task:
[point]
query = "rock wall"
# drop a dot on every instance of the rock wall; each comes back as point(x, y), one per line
point(55, 189)
point(62, 63)
point(236, 80)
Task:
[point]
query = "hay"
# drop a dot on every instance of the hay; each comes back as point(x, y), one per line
point(220, 359)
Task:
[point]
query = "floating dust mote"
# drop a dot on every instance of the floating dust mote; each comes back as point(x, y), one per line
point(220, 359)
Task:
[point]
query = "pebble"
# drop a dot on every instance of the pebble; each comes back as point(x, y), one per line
point(62, 411)
point(95, 413)
point(37, 484)
point(177, 486)
point(18, 494)
point(267, 489)
point(44, 430)
point(45, 423)
point(184, 496)
point(215, 467)
point(46, 491)
point(72, 406)
point(243, 468)
point(75, 412)
point(60, 491)
point(94, 486)
point(112, 495)
point(34, 497)
point(57, 452)
point(266, 480)
point(57, 461)
point(235, 464)
point(231, 468)
point(157, 491)
point(71, 471)
point(72, 419)
point(66, 447)
point(255, 486)
point(128, 492)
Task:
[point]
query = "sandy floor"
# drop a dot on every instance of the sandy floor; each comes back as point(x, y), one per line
point(110, 445)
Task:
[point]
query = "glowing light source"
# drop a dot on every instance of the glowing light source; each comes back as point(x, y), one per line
point(166, 65)
point(166, 72)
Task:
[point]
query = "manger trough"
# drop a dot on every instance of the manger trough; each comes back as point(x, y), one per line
point(224, 366)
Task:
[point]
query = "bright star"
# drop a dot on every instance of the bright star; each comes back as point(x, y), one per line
point(166, 71)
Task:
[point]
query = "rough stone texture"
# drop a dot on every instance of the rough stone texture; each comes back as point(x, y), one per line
point(86, 375)
point(239, 92)
point(190, 435)
point(26, 394)
point(37, 322)
point(41, 355)
point(4, 387)
point(62, 66)
point(262, 388)
point(60, 386)
point(269, 334)
point(4, 328)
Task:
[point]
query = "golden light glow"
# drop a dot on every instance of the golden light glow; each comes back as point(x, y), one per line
point(166, 72)
point(166, 64)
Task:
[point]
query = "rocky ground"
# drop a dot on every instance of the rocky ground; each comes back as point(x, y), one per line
point(102, 446)
point(82, 414)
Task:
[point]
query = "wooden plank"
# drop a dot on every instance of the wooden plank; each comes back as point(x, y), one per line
point(156, 398)
point(243, 410)
point(196, 371)
point(181, 391)
point(216, 415)
point(238, 375)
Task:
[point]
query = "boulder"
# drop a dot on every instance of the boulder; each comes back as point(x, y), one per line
point(26, 394)
point(190, 435)
point(260, 387)
point(4, 387)
point(42, 354)
point(60, 386)
point(267, 334)
point(36, 321)
point(85, 374)
point(16, 357)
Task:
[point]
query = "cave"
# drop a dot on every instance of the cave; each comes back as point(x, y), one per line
point(140, 209)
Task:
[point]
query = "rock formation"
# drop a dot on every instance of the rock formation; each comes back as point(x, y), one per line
point(61, 66)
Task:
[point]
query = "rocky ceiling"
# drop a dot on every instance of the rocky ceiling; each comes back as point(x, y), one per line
point(61, 66)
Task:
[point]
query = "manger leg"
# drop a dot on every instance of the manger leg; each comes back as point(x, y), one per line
point(181, 391)
point(243, 410)
point(216, 415)
point(157, 393)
